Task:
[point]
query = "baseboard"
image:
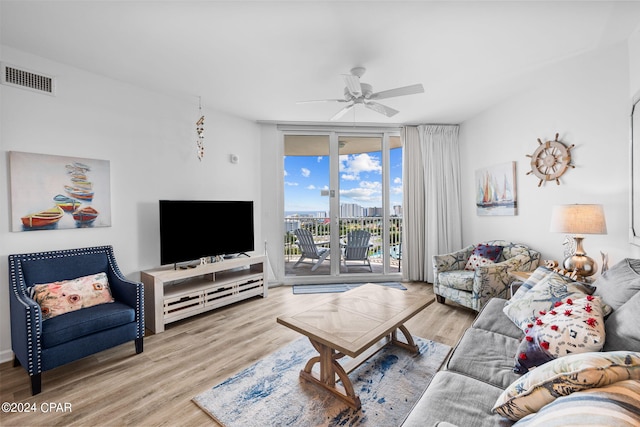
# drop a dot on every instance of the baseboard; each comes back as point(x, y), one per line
point(6, 356)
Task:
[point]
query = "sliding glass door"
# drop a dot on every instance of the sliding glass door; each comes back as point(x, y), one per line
point(345, 190)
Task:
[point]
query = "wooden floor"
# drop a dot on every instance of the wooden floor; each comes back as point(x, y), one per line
point(119, 388)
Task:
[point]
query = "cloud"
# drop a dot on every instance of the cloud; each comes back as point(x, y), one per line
point(367, 192)
point(311, 187)
point(319, 159)
point(397, 181)
point(290, 183)
point(353, 165)
point(305, 172)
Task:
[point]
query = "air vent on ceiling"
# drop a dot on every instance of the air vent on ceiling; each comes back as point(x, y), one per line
point(25, 79)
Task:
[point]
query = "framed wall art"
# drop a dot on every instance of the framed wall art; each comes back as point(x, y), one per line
point(57, 192)
point(496, 190)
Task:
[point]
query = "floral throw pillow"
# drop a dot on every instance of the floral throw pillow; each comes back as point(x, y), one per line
point(573, 326)
point(69, 295)
point(483, 255)
point(563, 376)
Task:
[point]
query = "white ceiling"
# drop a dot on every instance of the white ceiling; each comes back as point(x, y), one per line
point(256, 59)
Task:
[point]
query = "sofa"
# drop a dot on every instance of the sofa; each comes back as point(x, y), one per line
point(479, 385)
point(473, 275)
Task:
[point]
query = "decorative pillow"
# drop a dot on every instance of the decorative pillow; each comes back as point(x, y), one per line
point(538, 274)
point(612, 405)
point(543, 296)
point(623, 327)
point(483, 255)
point(69, 295)
point(563, 376)
point(575, 326)
point(618, 284)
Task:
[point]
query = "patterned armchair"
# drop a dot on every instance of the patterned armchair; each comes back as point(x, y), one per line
point(474, 288)
point(39, 340)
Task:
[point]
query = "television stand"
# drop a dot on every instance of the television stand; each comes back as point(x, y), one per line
point(171, 295)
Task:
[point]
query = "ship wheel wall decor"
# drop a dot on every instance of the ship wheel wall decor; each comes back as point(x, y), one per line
point(550, 160)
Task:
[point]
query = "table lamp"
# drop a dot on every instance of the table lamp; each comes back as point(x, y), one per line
point(578, 220)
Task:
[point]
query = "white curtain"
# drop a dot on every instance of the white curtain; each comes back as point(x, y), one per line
point(431, 182)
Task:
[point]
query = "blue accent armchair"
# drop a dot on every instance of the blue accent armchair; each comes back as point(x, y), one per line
point(43, 345)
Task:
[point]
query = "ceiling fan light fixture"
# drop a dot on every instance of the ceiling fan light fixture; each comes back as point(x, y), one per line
point(356, 92)
point(353, 85)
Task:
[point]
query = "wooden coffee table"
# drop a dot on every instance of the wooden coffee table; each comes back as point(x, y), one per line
point(357, 323)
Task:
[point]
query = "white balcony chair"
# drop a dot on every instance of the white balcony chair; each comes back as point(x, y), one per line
point(357, 248)
point(310, 249)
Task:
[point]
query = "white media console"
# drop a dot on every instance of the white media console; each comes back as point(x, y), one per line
point(171, 295)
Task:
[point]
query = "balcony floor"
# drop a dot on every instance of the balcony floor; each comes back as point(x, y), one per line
point(355, 267)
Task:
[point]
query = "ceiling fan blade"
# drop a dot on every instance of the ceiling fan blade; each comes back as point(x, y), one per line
point(382, 109)
point(353, 84)
point(400, 91)
point(341, 112)
point(321, 100)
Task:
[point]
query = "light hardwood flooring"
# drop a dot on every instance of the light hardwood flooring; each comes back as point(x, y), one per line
point(119, 388)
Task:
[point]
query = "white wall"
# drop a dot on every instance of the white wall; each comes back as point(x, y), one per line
point(149, 140)
point(586, 100)
point(273, 200)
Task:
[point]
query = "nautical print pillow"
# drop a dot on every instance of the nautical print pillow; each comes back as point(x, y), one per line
point(573, 326)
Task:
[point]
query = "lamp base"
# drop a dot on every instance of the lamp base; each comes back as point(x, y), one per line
point(582, 265)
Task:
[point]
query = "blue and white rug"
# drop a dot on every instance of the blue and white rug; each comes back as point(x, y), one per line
point(271, 393)
point(338, 287)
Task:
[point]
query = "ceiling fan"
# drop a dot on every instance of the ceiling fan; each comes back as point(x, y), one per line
point(357, 92)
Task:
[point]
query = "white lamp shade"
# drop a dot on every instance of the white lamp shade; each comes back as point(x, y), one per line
point(578, 219)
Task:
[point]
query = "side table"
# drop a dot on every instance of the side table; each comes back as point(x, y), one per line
point(520, 277)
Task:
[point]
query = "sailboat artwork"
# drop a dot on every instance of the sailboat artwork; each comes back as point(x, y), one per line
point(496, 190)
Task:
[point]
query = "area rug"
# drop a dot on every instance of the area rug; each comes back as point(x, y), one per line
point(271, 393)
point(338, 287)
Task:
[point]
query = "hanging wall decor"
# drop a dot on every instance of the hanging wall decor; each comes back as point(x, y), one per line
point(496, 190)
point(550, 160)
point(56, 192)
point(200, 132)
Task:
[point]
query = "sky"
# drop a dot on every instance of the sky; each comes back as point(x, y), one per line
point(360, 181)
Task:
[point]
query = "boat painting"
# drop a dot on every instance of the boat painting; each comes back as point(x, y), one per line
point(47, 218)
point(79, 193)
point(496, 190)
point(79, 188)
point(67, 204)
point(84, 217)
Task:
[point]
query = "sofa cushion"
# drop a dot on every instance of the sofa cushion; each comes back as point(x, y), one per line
point(457, 279)
point(492, 319)
point(618, 284)
point(543, 296)
point(61, 297)
point(617, 404)
point(483, 255)
point(563, 376)
point(486, 356)
point(623, 327)
point(76, 324)
point(536, 276)
point(448, 400)
point(575, 326)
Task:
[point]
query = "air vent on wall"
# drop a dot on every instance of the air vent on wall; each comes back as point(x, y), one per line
point(25, 79)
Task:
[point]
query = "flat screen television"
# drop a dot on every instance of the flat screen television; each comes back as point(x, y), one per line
point(193, 229)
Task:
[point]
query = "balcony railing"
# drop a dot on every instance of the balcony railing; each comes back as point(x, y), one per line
point(320, 228)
